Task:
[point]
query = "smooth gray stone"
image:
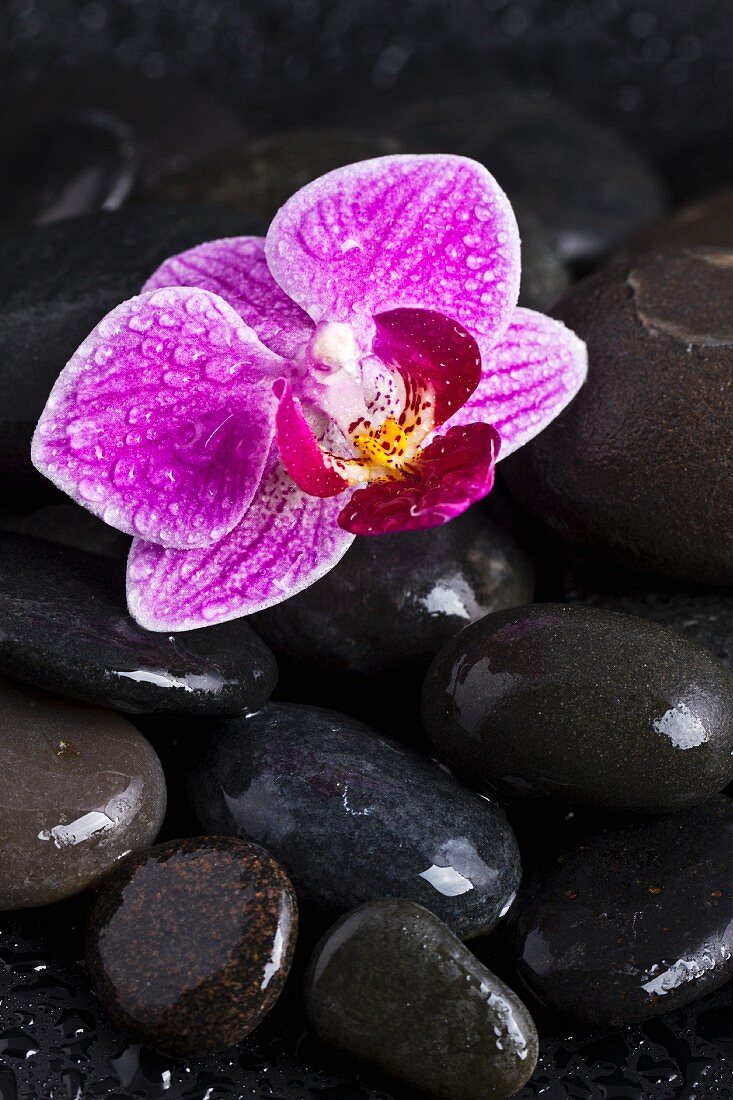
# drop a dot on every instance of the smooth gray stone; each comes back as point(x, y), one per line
point(353, 816)
point(394, 600)
point(79, 789)
point(391, 985)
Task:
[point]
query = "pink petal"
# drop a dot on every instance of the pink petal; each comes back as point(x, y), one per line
point(422, 232)
point(302, 457)
point(527, 379)
point(286, 541)
point(430, 352)
point(235, 268)
point(454, 471)
point(161, 422)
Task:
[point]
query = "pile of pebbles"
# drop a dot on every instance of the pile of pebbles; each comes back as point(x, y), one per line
point(409, 826)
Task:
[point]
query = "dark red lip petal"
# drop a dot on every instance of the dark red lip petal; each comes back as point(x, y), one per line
point(431, 351)
point(453, 472)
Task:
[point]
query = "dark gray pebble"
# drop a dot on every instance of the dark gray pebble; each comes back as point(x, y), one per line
point(394, 600)
point(590, 706)
point(64, 627)
point(353, 816)
point(391, 985)
point(639, 466)
point(633, 922)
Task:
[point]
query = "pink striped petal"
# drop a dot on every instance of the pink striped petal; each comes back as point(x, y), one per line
point(430, 353)
point(454, 471)
point(527, 379)
point(235, 268)
point(161, 422)
point(286, 541)
point(429, 232)
point(302, 457)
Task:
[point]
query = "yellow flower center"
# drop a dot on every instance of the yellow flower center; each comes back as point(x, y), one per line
point(386, 446)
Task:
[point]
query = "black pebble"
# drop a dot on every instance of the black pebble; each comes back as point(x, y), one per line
point(353, 816)
point(363, 636)
point(590, 706)
point(189, 944)
point(639, 466)
point(633, 922)
point(56, 284)
point(64, 627)
point(391, 985)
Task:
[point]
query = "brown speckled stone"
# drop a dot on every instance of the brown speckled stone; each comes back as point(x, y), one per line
point(189, 944)
point(640, 464)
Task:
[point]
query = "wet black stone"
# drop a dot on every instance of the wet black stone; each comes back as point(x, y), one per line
point(707, 223)
point(56, 283)
point(46, 996)
point(589, 189)
point(354, 816)
point(544, 274)
point(634, 922)
point(61, 165)
point(383, 613)
point(387, 984)
point(64, 627)
point(259, 178)
point(587, 705)
point(190, 943)
point(639, 466)
point(703, 613)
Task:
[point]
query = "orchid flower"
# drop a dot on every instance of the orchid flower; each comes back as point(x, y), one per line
point(262, 401)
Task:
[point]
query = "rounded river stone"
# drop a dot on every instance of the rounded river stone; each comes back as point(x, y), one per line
point(260, 178)
point(590, 188)
point(64, 627)
point(189, 944)
point(394, 600)
point(701, 612)
point(58, 165)
point(353, 816)
point(640, 464)
point(56, 284)
point(633, 922)
point(591, 706)
point(707, 223)
point(79, 789)
point(391, 985)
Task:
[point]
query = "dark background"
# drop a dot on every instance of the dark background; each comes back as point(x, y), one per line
point(660, 70)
